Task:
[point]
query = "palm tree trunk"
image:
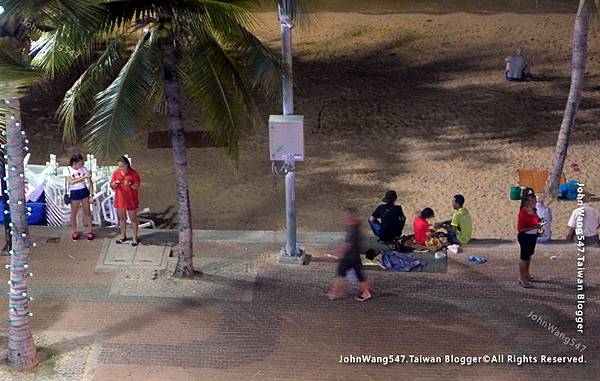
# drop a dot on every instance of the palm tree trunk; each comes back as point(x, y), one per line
point(21, 348)
point(579, 42)
point(185, 264)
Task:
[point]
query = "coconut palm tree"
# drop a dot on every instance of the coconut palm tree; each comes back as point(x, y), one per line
point(21, 348)
point(17, 72)
point(189, 45)
point(579, 56)
point(183, 48)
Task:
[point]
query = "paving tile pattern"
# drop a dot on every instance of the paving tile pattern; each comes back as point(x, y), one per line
point(288, 330)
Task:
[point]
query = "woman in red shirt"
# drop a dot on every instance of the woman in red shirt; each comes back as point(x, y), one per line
point(126, 184)
point(528, 226)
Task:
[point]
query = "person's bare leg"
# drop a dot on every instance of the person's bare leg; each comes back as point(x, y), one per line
point(87, 214)
point(122, 214)
point(523, 273)
point(74, 210)
point(336, 289)
point(134, 223)
point(528, 264)
point(365, 291)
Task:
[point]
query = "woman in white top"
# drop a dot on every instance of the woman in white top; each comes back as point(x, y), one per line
point(80, 191)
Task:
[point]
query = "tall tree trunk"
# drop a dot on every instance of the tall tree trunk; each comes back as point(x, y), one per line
point(579, 42)
point(185, 264)
point(21, 348)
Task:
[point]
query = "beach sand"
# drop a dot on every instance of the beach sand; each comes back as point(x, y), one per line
point(396, 95)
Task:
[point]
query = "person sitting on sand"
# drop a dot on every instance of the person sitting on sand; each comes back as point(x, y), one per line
point(421, 226)
point(387, 221)
point(517, 67)
point(589, 223)
point(460, 227)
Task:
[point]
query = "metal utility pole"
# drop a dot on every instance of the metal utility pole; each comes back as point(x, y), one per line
point(287, 24)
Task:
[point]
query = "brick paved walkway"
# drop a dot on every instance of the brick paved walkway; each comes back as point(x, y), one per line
point(287, 330)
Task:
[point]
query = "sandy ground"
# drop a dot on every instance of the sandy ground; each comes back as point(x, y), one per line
point(396, 95)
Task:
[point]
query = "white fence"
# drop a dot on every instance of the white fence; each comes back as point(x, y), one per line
point(50, 179)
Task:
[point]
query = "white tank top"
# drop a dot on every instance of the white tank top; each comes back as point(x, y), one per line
point(76, 174)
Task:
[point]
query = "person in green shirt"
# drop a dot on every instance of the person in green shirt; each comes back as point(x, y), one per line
point(460, 226)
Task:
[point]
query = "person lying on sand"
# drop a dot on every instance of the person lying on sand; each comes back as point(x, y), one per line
point(517, 67)
point(460, 227)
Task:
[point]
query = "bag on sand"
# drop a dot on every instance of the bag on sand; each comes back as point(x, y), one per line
point(434, 243)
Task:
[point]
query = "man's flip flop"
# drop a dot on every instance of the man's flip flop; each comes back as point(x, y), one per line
point(361, 299)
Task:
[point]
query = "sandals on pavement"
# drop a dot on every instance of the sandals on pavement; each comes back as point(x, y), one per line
point(120, 241)
point(524, 284)
point(362, 298)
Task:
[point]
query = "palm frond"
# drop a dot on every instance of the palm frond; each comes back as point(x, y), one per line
point(213, 79)
point(185, 14)
point(121, 14)
point(269, 68)
point(118, 107)
point(221, 17)
point(53, 55)
point(15, 75)
point(81, 94)
point(156, 95)
point(84, 14)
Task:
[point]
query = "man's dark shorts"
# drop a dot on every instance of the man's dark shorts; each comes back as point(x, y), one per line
point(346, 265)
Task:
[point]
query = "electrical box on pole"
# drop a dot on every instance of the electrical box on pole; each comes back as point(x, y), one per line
point(286, 137)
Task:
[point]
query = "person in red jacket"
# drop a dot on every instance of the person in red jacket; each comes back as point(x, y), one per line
point(126, 184)
point(421, 225)
point(528, 227)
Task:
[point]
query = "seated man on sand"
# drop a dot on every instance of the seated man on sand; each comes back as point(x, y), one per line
point(589, 223)
point(460, 227)
point(517, 67)
point(387, 221)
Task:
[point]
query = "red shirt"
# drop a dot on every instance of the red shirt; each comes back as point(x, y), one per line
point(526, 220)
point(421, 228)
point(125, 196)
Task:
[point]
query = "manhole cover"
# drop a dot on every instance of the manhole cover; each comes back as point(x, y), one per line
point(143, 256)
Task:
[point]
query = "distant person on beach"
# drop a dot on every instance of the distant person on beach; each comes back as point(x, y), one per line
point(517, 67)
point(460, 227)
point(421, 225)
point(589, 223)
point(528, 227)
point(350, 253)
point(80, 190)
point(126, 184)
point(387, 221)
